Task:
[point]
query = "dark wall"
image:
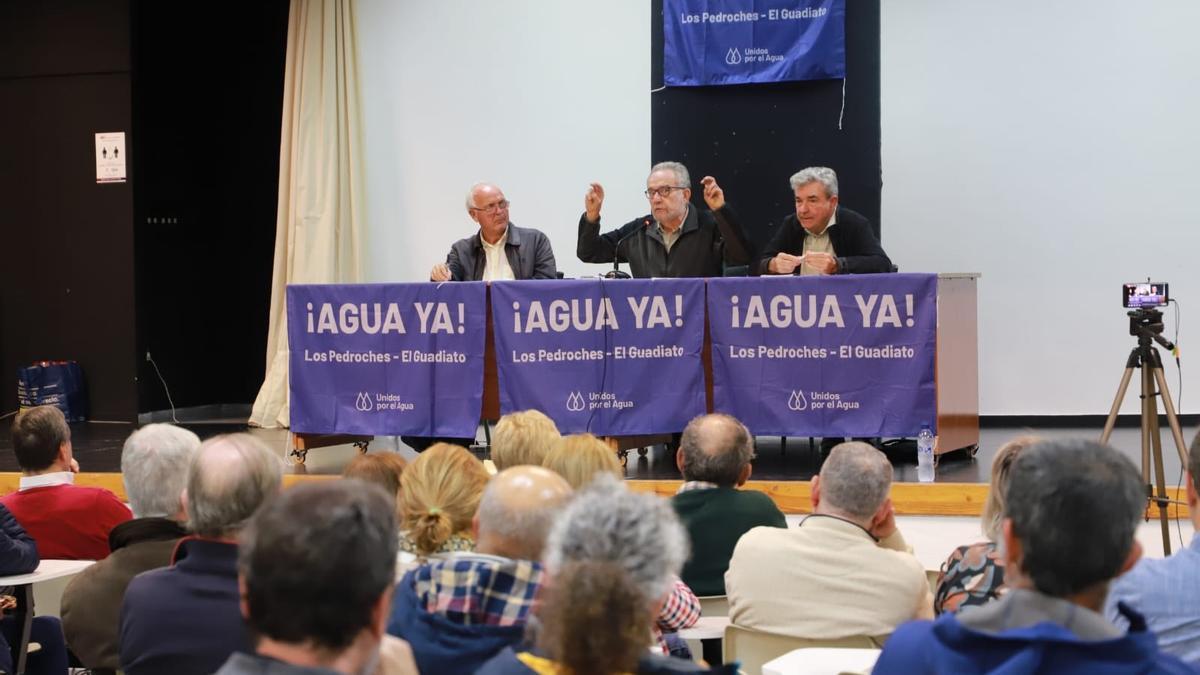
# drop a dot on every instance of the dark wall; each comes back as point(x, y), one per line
point(208, 96)
point(753, 137)
point(66, 243)
point(175, 262)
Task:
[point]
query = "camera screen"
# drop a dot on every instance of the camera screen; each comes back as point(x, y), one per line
point(1147, 294)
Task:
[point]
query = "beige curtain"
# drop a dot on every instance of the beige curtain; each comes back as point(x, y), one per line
point(318, 230)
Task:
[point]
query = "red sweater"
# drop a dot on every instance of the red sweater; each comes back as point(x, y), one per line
point(68, 522)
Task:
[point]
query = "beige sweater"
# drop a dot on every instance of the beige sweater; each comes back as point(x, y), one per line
point(825, 579)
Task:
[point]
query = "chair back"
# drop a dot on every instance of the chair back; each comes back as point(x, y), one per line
point(714, 605)
point(752, 648)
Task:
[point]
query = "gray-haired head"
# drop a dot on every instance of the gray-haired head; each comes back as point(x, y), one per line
point(470, 200)
point(855, 481)
point(682, 177)
point(715, 448)
point(816, 174)
point(154, 468)
point(230, 477)
point(639, 532)
point(518, 509)
point(1074, 505)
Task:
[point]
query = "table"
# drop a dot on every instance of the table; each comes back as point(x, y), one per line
point(822, 661)
point(956, 374)
point(23, 590)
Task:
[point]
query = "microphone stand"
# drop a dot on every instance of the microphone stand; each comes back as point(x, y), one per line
point(615, 272)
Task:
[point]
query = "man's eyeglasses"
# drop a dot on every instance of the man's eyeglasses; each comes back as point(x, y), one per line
point(663, 192)
point(493, 207)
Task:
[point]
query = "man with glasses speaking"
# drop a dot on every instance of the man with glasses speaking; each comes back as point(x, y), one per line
point(500, 250)
point(676, 239)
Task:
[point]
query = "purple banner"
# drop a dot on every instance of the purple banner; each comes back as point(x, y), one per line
point(709, 42)
point(825, 356)
point(387, 359)
point(613, 357)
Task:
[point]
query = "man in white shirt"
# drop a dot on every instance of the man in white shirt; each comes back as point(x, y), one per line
point(500, 250)
point(845, 571)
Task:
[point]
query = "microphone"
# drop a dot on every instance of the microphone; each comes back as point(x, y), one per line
point(615, 272)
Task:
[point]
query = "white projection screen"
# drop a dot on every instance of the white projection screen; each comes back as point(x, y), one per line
point(1050, 146)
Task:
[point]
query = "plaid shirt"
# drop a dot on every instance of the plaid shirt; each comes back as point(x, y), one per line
point(475, 589)
point(681, 610)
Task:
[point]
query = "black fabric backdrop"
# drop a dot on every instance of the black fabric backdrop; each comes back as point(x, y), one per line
point(753, 137)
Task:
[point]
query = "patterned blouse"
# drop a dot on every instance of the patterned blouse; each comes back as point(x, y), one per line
point(407, 557)
point(972, 575)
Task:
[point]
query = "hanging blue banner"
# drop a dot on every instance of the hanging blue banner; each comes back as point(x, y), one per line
point(613, 357)
point(748, 41)
point(825, 356)
point(387, 359)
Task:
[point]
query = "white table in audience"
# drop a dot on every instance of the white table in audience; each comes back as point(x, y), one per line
point(707, 628)
point(821, 661)
point(23, 590)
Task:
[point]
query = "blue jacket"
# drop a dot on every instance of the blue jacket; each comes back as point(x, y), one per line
point(185, 618)
point(18, 552)
point(947, 646)
point(440, 644)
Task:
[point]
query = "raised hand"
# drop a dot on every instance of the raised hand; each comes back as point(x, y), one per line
point(592, 202)
point(714, 196)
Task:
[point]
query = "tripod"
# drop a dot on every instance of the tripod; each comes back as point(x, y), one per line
point(1146, 325)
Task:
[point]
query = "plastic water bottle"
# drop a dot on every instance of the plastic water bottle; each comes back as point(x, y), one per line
point(925, 455)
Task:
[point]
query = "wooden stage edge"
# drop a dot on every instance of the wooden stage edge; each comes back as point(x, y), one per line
point(910, 499)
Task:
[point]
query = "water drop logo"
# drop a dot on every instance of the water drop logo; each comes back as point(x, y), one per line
point(363, 403)
point(797, 402)
point(575, 402)
point(733, 57)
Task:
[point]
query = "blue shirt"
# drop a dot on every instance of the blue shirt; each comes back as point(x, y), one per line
point(1167, 592)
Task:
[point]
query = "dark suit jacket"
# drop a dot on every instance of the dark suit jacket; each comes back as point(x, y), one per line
point(854, 243)
point(528, 252)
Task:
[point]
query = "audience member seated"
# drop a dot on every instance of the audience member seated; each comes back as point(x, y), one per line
point(439, 494)
point(844, 571)
point(19, 555)
point(186, 618)
point(67, 521)
point(313, 611)
point(714, 457)
point(579, 458)
point(381, 468)
point(523, 438)
point(1167, 590)
point(974, 575)
point(1073, 508)
point(154, 468)
point(457, 612)
point(613, 557)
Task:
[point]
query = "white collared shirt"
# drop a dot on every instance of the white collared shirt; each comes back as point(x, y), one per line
point(46, 480)
point(818, 243)
point(496, 267)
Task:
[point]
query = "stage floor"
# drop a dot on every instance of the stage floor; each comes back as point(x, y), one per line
point(97, 447)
